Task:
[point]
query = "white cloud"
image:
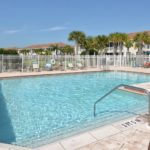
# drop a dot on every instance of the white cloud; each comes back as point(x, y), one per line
point(56, 28)
point(12, 31)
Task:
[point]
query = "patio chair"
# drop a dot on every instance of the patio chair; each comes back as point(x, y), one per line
point(79, 66)
point(36, 67)
point(70, 66)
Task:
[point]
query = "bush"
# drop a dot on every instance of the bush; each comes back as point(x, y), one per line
point(8, 52)
point(89, 52)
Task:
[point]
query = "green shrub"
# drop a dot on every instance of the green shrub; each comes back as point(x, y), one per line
point(8, 51)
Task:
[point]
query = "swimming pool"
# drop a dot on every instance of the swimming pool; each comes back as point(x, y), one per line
point(38, 110)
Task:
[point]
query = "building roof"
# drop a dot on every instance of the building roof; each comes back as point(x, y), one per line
point(133, 34)
point(11, 48)
point(42, 46)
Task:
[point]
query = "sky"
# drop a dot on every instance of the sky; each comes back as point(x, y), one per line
point(26, 22)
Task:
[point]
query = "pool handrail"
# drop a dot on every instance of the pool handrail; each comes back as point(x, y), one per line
point(125, 86)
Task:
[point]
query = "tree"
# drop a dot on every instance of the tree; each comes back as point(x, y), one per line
point(10, 52)
point(118, 40)
point(101, 42)
point(90, 52)
point(128, 45)
point(24, 51)
point(146, 38)
point(1, 50)
point(67, 49)
point(79, 38)
point(55, 48)
point(38, 51)
point(114, 38)
point(89, 45)
point(47, 52)
point(140, 39)
point(123, 37)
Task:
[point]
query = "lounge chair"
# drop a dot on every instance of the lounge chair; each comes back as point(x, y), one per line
point(79, 66)
point(70, 66)
point(36, 67)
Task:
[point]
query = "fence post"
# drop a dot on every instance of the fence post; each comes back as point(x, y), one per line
point(114, 60)
point(2, 62)
point(120, 61)
point(75, 60)
point(97, 58)
point(22, 63)
point(39, 61)
point(65, 63)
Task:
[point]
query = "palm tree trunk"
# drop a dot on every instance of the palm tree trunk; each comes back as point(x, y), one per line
point(76, 48)
point(115, 48)
point(128, 52)
point(121, 48)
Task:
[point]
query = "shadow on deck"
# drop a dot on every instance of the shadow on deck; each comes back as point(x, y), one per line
point(7, 134)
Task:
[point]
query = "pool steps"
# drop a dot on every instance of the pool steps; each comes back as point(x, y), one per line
point(125, 86)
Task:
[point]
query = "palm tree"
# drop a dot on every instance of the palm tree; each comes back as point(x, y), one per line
point(146, 38)
point(118, 40)
point(122, 39)
point(89, 45)
point(25, 51)
point(140, 39)
point(47, 52)
point(114, 38)
point(38, 51)
point(67, 49)
point(128, 45)
point(101, 42)
point(79, 38)
point(54, 48)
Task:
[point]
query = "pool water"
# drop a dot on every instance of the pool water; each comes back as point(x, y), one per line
point(38, 110)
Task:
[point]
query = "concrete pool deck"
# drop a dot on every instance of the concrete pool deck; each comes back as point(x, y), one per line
point(41, 73)
point(130, 134)
point(54, 72)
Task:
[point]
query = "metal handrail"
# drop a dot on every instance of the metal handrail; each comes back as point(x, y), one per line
point(125, 86)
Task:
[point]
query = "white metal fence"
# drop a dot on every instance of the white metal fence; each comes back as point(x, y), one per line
point(42, 63)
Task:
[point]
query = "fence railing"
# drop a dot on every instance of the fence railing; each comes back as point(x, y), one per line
point(26, 63)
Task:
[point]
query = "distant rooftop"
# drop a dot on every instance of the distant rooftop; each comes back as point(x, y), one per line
point(42, 46)
point(132, 35)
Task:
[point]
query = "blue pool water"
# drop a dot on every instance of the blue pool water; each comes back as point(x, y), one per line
point(38, 110)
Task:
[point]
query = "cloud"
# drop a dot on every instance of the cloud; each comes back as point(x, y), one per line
point(12, 31)
point(56, 28)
